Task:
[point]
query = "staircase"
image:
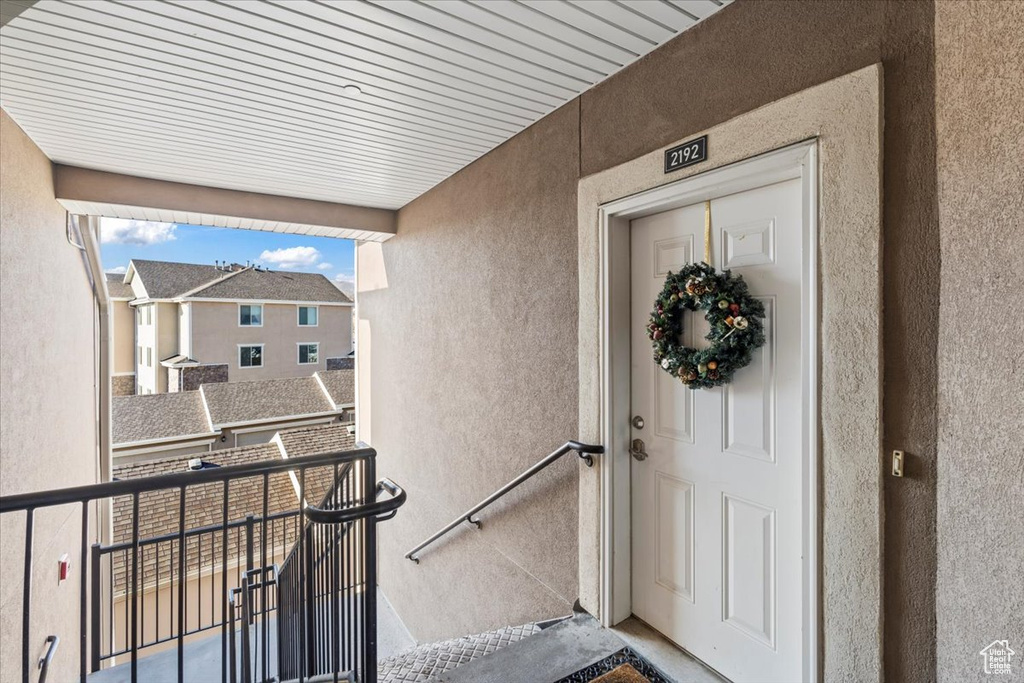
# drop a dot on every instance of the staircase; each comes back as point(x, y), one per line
point(427, 662)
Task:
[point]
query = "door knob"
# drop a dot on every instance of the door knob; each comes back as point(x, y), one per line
point(636, 449)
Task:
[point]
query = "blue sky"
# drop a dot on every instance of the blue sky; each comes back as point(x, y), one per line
point(122, 240)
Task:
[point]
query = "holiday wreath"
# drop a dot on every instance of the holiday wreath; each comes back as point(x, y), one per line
point(736, 319)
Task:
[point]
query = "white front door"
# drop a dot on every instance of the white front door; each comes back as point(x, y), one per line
point(717, 507)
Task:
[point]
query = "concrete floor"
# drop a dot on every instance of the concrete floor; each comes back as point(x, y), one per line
point(203, 656)
point(574, 644)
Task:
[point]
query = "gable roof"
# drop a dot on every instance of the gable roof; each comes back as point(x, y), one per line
point(273, 285)
point(233, 402)
point(340, 384)
point(167, 279)
point(117, 288)
point(170, 280)
point(158, 416)
point(331, 438)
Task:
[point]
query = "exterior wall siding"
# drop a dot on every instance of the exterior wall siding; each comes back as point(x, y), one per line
point(216, 336)
point(48, 436)
point(124, 337)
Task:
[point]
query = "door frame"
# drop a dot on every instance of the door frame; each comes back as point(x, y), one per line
point(792, 162)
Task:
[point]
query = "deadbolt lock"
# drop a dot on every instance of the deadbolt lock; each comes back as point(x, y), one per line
point(638, 450)
point(638, 422)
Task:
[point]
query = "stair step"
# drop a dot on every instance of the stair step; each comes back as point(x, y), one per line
point(424, 662)
point(552, 654)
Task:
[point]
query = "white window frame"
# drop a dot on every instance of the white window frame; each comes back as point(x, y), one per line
point(298, 352)
point(239, 318)
point(298, 317)
point(249, 367)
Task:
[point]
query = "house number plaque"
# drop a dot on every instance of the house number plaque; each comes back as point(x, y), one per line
point(686, 154)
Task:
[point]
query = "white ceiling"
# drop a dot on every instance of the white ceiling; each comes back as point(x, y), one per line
point(249, 95)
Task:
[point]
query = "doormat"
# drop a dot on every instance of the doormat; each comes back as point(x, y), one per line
point(625, 666)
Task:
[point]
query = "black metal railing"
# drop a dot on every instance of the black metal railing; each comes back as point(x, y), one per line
point(214, 566)
point(585, 452)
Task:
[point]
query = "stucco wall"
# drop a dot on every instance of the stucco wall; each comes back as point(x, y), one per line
point(980, 97)
point(47, 399)
point(216, 336)
point(747, 55)
point(475, 387)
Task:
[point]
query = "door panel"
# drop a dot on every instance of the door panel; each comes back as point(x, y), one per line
point(716, 507)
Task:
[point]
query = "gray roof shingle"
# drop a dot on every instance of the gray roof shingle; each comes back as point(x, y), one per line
point(233, 402)
point(166, 279)
point(117, 288)
point(274, 286)
point(317, 439)
point(340, 384)
point(157, 416)
point(158, 512)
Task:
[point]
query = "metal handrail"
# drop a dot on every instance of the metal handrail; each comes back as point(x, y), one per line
point(44, 661)
point(125, 487)
point(383, 507)
point(585, 453)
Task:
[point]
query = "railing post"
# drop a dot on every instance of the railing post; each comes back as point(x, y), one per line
point(310, 599)
point(249, 520)
point(370, 579)
point(97, 637)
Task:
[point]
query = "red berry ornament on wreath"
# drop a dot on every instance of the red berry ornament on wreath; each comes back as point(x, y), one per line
point(736, 319)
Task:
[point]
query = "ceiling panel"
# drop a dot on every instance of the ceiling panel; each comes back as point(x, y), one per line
point(258, 96)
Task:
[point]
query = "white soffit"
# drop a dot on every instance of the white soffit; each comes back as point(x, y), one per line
point(249, 95)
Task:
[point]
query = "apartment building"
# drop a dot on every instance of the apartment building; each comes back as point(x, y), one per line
point(198, 324)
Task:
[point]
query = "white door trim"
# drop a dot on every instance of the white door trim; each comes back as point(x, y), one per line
point(796, 161)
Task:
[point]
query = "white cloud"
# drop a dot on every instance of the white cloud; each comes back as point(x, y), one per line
point(292, 257)
point(325, 266)
point(120, 270)
point(346, 282)
point(124, 231)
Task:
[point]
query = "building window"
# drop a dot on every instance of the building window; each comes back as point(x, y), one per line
point(250, 356)
point(309, 354)
point(308, 316)
point(139, 356)
point(149, 357)
point(148, 313)
point(250, 316)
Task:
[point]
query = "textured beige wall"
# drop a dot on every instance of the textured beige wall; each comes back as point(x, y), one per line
point(124, 336)
point(845, 116)
point(47, 399)
point(749, 54)
point(89, 185)
point(472, 310)
point(980, 97)
point(216, 336)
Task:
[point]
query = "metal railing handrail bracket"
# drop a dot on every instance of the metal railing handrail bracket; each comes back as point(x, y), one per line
point(585, 452)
